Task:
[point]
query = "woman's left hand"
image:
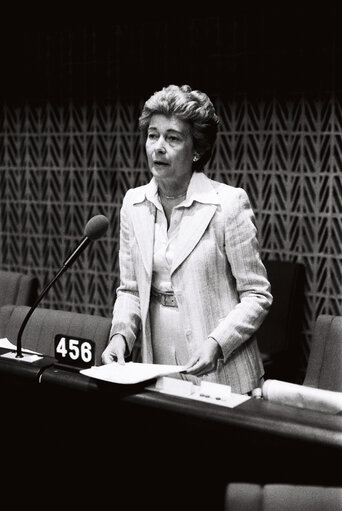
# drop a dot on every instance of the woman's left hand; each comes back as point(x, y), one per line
point(205, 358)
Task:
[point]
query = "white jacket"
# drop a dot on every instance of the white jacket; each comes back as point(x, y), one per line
point(218, 277)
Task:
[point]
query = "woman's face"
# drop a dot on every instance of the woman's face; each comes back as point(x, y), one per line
point(169, 149)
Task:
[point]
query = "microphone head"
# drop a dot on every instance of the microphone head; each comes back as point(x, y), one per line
point(96, 227)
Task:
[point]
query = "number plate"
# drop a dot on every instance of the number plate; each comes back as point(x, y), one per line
point(74, 352)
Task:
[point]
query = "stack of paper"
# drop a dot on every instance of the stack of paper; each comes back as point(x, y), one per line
point(130, 372)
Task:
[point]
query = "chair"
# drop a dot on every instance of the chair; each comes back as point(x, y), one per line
point(324, 369)
point(282, 497)
point(279, 337)
point(17, 288)
point(44, 324)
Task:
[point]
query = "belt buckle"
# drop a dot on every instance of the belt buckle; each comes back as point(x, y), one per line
point(169, 300)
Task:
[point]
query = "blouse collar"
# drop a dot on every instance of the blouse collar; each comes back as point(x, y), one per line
point(200, 189)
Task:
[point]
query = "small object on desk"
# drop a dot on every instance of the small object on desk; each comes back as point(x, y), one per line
point(27, 355)
point(257, 393)
point(74, 352)
point(215, 390)
point(214, 393)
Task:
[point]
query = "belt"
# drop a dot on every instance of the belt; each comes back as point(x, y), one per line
point(167, 299)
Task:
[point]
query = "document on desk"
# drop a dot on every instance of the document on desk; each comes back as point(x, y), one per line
point(5, 343)
point(130, 372)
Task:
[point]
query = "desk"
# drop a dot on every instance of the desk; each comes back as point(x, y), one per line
point(255, 415)
point(144, 434)
point(15, 373)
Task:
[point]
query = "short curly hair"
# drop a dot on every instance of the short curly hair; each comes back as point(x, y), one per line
point(189, 105)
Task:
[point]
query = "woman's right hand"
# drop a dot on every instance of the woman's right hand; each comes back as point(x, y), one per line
point(115, 350)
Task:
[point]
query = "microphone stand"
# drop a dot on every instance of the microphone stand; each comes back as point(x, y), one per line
point(68, 262)
point(30, 312)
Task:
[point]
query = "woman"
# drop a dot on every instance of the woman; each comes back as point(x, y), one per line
point(191, 278)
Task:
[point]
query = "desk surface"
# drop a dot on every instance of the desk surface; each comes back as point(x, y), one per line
point(254, 414)
point(18, 371)
point(257, 441)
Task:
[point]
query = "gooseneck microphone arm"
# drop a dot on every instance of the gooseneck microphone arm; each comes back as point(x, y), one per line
point(94, 229)
point(30, 312)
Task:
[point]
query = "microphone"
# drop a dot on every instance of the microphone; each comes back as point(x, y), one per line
point(94, 229)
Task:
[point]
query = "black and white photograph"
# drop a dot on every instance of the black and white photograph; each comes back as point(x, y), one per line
point(171, 256)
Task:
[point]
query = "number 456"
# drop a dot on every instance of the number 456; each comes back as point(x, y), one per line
point(75, 349)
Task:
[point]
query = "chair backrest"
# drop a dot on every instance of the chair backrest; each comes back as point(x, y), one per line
point(44, 324)
point(283, 322)
point(17, 288)
point(324, 369)
point(285, 497)
point(280, 336)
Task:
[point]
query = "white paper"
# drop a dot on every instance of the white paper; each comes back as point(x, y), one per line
point(130, 372)
point(302, 396)
point(133, 372)
point(5, 343)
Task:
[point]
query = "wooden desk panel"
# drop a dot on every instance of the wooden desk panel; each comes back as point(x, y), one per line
point(254, 414)
point(144, 434)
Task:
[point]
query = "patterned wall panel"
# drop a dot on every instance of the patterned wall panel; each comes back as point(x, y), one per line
point(70, 147)
point(59, 166)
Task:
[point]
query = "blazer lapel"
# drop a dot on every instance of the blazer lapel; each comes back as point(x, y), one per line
point(192, 229)
point(143, 223)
